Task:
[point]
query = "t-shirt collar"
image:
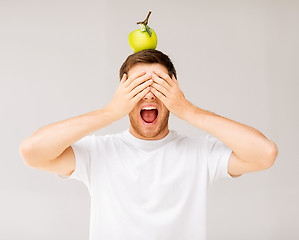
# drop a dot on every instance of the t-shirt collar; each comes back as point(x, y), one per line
point(148, 144)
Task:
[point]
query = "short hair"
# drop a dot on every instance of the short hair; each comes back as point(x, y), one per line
point(147, 56)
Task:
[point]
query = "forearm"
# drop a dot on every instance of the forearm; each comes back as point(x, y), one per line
point(246, 142)
point(50, 141)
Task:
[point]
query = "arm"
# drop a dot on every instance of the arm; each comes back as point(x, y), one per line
point(251, 150)
point(49, 148)
point(48, 143)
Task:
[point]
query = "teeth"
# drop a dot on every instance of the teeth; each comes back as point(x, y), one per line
point(148, 108)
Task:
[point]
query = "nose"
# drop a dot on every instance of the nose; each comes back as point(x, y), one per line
point(149, 95)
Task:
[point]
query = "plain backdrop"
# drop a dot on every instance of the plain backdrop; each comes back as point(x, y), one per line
point(238, 59)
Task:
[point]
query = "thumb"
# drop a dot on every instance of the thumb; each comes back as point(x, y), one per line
point(124, 78)
point(174, 79)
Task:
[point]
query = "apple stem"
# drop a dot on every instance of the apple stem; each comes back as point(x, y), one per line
point(146, 20)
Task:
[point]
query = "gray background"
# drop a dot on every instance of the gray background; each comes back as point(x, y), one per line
point(60, 59)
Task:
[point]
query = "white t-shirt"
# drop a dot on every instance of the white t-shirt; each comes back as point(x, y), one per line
point(149, 190)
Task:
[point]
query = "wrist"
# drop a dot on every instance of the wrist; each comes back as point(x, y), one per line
point(111, 113)
point(198, 117)
point(188, 111)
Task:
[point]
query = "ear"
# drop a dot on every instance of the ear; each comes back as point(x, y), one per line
point(174, 79)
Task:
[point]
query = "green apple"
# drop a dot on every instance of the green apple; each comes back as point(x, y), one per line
point(143, 38)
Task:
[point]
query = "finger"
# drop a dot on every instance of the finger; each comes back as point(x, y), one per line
point(139, 81)
point(124, 78)
point(160, 81)
point(140, 88)
point(140, 95)
point(161, 89)
point(164, 76)
point(133, 77)
point(158, 94)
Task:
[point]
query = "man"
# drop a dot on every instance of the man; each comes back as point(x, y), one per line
point(148, 182)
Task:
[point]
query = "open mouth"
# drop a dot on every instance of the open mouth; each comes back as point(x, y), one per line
point(149, 115)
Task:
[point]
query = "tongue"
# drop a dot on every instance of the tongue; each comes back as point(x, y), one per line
point(149, 115)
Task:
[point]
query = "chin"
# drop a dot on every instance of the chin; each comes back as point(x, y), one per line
point(149, 131)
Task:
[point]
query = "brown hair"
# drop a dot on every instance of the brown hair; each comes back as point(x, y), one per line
point(147, 56)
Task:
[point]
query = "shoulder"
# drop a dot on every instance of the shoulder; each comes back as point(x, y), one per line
point(187, 140)
point(112, 139)
point(94, 140)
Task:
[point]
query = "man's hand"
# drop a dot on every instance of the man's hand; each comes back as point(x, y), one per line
point(168, 91)
point(130, 91)
point(251, 150)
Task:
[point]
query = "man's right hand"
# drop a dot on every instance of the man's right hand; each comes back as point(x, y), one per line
point(130, 91)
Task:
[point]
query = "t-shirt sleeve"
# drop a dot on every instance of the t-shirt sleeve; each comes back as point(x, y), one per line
point(83, 154)
point(218, 155)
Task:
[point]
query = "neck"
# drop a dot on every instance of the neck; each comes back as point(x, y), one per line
point(151, 135)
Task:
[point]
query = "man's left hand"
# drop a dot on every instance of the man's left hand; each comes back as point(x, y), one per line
point(168, 91)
